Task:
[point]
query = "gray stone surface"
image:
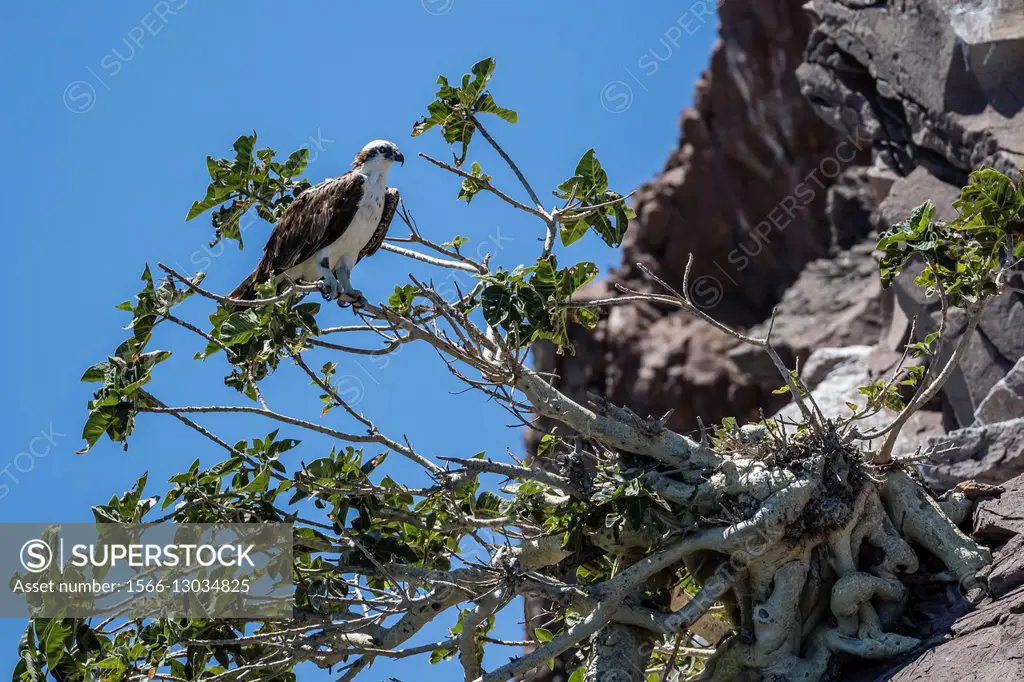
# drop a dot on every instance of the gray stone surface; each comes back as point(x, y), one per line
point(987, 644)
point(990, 353)
point(834, 376)
point(988, 454)
point(998, 519)
point(1005, 400)
point(935, 86)
point(835, 302)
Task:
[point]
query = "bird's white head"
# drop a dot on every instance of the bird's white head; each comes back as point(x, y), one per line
point(377, 157)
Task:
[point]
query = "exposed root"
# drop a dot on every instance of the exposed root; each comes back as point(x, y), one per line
point(921, 519)
point(826, 577)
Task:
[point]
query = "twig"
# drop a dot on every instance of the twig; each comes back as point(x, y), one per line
point(514, 167)
point(487, 186)
point(439, 262)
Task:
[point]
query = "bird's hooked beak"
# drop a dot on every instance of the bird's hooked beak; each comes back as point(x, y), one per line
point(399, 157)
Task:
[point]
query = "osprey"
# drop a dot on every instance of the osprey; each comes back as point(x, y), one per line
point(330, 227)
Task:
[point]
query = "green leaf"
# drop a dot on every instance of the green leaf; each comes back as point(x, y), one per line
point(402, 299)
point(214, 195)
point(258, 484)
point(486, 105)
point(368, 468)
point(243, 147)
point(455, 107)
point(53, 643)
point(296, 163)
point(457, 242)
point(97, 372)
point(496, 301)
point(580, 275)
point(592, 175)
point(95, 426)
point(608, 213)
point(571, 233)
point(239, 327)
point(473, 186)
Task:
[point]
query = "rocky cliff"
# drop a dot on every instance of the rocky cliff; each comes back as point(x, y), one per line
point(816, 124)
point(753, 193)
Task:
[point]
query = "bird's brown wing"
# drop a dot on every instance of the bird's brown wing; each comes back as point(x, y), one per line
point(391, 197)
point(316, 219)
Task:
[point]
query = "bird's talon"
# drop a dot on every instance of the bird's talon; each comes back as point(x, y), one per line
point(328, 291)
point(354, 298)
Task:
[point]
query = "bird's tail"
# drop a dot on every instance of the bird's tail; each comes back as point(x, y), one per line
point(246, 290)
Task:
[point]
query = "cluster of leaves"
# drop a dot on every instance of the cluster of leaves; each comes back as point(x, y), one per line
point(72, 650)
point(388, 522)
point(253, 486)
point(256, 339)
point(600, 209)
point(890, 394)
point(963, 257)
point(530, 303)
point(473, 185)
point(962, 260)
point(122, 375)
point(455, 108)
point(244, 485)
point(251, 180)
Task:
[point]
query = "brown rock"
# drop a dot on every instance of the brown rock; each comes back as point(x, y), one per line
point(746, 193)
point(834, 302)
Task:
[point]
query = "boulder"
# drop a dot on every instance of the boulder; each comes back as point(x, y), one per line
point(990, 454)
point(998, 519)
point(834, 376)
point(1006, 399)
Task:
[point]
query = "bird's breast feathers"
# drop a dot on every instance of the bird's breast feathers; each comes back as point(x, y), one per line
point(329, 215)
point(364, 224)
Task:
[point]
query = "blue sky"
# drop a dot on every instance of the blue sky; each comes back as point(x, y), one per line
point(111, 109)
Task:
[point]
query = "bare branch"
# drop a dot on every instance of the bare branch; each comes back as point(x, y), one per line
point(884, 454)
point(515, 169)
point(515, 472)
point(489, 187)
point(439, 262)
point(664, 445)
